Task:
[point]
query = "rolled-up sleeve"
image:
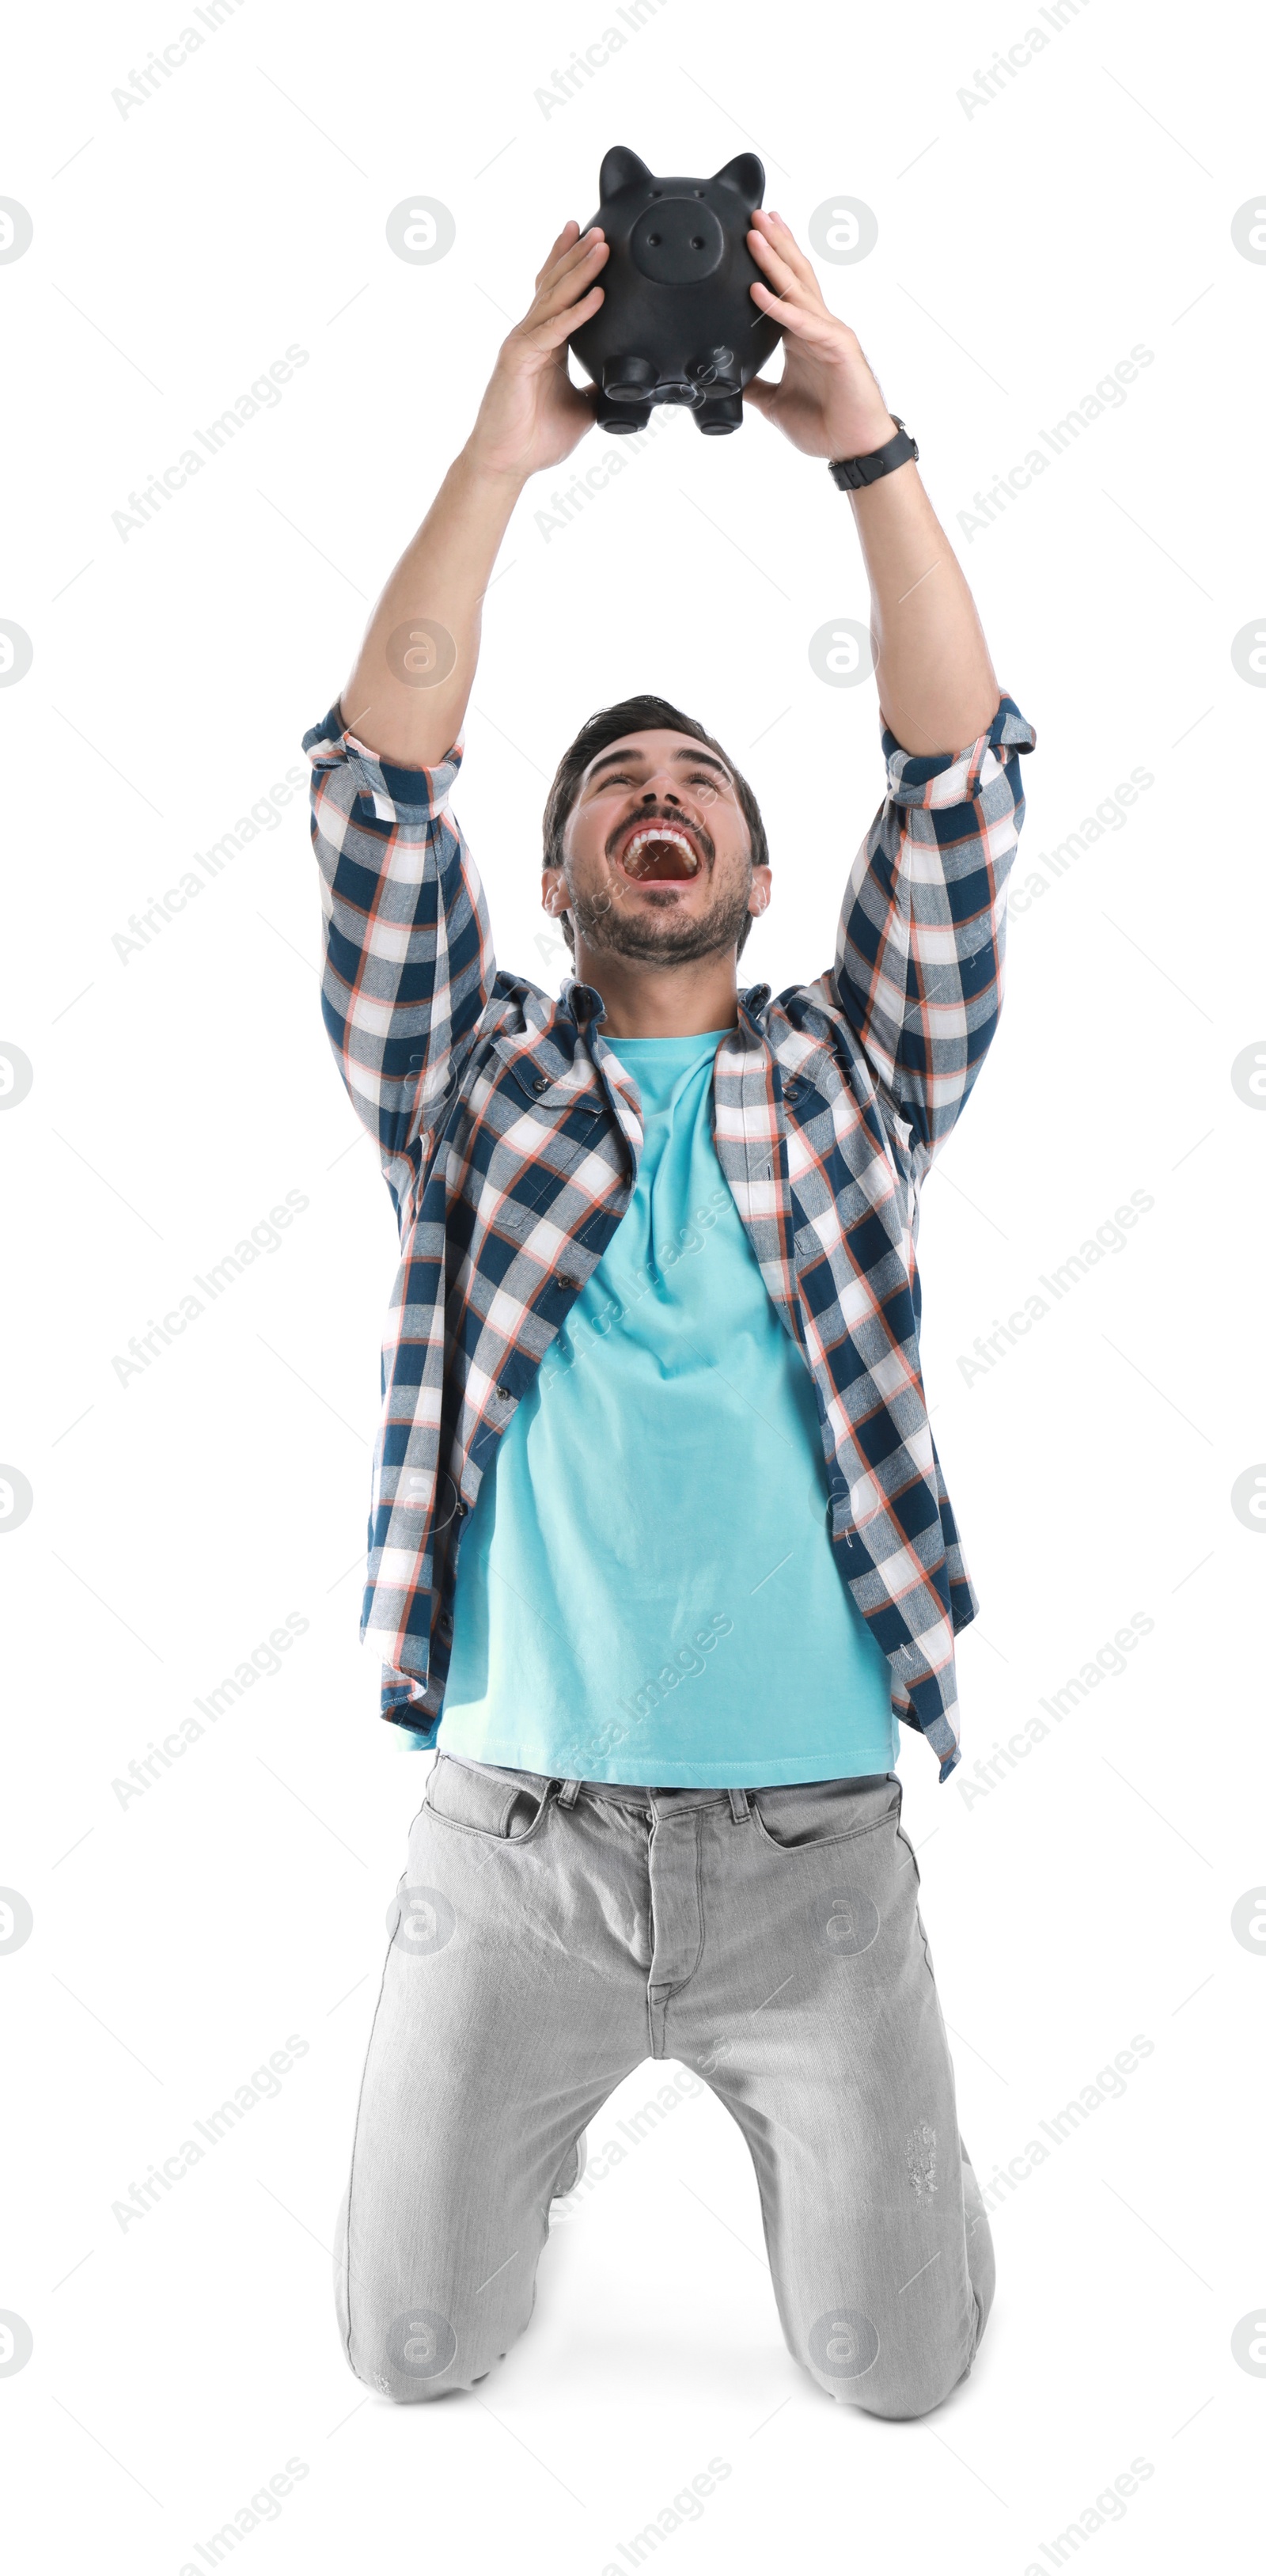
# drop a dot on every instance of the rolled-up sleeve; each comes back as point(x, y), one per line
point(408, 961)
point(921, 943)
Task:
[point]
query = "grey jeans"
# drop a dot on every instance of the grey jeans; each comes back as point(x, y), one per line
point(548, 1937)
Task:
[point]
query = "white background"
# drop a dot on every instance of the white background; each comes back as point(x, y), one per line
point(181, 1937)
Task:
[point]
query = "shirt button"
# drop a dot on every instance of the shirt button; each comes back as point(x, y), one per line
point(504, 1394)
point(541, 1083)
point(561, 1280)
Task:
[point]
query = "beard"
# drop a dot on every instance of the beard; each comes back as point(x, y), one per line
point(653, 936)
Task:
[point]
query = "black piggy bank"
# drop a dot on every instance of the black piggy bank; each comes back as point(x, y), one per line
point(677, 322)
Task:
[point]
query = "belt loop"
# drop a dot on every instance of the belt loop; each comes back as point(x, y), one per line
point(739, 1804)
point(569, 1793)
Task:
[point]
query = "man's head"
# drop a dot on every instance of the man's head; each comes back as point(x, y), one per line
point(654, 845)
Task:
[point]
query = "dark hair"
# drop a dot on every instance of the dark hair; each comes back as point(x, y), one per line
point(638, 715)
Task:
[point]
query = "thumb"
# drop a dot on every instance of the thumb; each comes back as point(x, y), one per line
point(760, 393)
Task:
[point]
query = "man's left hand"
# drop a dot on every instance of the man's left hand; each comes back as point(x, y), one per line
point(826, 400)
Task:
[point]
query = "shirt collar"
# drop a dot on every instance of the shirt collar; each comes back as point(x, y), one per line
point(588, 1009)
point(584, 1001)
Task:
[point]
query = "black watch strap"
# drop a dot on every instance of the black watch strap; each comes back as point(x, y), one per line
point(853, 473)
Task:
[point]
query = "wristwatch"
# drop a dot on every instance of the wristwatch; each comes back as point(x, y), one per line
point(853, 473)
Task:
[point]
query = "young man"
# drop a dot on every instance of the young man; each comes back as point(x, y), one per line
point(659, 1527)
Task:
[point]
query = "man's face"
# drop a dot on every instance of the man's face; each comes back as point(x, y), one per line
point(656, 854)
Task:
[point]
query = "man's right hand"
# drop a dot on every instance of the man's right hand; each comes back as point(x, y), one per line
point(532, 415)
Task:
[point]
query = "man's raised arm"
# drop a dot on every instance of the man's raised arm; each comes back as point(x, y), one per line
point(409, 961)
point(937, 688)
point(919, 956)
point(408, 694)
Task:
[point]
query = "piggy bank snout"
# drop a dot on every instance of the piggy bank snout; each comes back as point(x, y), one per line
point(677, 241)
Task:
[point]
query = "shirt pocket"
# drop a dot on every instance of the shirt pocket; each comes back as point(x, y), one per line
point(541, 1078)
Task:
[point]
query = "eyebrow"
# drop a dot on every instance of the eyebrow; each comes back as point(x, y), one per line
point(622, 760)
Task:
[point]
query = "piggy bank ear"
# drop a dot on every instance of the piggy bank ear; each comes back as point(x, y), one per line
point(620, 168)
point(746, 175)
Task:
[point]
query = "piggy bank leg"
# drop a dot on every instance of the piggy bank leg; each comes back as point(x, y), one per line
point(714, 371)
point(629, 379)
point(621, 416)
point(720, 414)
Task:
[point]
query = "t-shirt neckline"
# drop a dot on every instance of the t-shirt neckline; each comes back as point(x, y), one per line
point(693, 1038)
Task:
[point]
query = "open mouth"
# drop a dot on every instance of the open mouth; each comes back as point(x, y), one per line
point(660, 854)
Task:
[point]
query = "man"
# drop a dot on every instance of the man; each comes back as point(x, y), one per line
point(659, 1530)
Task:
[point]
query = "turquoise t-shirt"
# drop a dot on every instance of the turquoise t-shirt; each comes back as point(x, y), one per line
point(646, 1589)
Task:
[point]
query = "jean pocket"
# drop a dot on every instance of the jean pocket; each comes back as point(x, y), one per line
point(496, 1806)
point(809, 1813)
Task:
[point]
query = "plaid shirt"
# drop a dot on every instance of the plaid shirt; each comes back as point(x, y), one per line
point(510, 1132)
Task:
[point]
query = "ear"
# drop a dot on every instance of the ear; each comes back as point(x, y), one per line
point(746, 175)
point(621, 168)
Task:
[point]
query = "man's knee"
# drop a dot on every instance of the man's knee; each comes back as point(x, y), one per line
point(904, 2399)
point(412, 2354)
point(415, 2357)
point(900, 2377)
point(402, 2394)
point(416, 2353)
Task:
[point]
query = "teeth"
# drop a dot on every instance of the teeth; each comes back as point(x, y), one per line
point(661, 832)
